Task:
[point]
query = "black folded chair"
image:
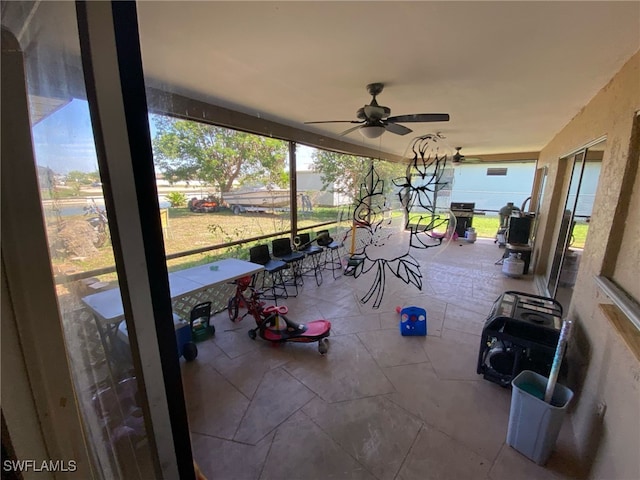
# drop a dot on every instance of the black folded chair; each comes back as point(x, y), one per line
point(331, 252)
point(281, 250)
point(273, 268)
point(313, 256)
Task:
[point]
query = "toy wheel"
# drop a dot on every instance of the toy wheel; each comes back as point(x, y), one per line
point(232, 308)
point(190, 351)
point(212, 330)
point(252, 334)
point(323, 346)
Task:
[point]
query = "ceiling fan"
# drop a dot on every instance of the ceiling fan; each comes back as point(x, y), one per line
point(374, 120)
point(459, 158)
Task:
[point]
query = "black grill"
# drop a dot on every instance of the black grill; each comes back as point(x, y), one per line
point(464, 216)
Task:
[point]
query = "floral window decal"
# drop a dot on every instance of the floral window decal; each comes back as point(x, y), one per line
point(418, 194)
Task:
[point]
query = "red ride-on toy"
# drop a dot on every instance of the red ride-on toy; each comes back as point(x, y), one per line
point(272, 325)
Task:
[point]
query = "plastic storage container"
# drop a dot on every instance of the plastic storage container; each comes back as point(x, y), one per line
point(413, 321)
point(533, 423)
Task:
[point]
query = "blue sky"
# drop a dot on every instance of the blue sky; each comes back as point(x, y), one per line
point(63, 141)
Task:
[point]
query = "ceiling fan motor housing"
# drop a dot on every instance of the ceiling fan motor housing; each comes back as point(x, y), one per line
point(458, 157)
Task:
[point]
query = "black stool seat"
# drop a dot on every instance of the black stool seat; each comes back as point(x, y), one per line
point(273, 266)
point(313, 253)
point(332, 252)
point(260, 255)
point(281, 250)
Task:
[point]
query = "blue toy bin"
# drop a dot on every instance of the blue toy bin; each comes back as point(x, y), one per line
point(413, 321)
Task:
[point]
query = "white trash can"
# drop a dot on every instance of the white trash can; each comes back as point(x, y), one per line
point(533, 423)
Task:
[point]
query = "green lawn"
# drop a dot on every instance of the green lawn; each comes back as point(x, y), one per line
point(486, 226)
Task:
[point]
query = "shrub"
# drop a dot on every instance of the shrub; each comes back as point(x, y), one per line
point(177, 199)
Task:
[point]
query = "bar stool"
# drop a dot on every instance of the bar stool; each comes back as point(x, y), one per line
point(281, 250)
point(312, 253)
point(260, 254)
point(331, 252)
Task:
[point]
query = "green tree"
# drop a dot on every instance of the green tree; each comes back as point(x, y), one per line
point(82, 178)
point(345, 173)
point(186, 150)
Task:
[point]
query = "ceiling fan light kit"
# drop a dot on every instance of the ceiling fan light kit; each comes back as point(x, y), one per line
point(374, 120)
point(372, 131)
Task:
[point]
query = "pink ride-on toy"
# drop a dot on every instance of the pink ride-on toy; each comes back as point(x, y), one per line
point(273, 326)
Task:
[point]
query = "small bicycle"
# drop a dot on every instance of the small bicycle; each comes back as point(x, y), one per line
point(272, 324)
point(238, 300)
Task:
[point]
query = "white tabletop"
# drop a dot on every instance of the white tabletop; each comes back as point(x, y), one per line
point(180, 286)
point(219, 272)
point(108, 307)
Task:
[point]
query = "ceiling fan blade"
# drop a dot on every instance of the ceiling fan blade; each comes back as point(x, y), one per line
point(420, 117)
point(472, 160)
point(349, 130)
point(397, 129)
point(335, 121)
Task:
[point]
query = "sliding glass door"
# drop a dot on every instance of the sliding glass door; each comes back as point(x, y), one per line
point(584, 166)
point(109, 402)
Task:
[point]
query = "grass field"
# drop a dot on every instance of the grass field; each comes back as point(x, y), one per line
point(486, 227)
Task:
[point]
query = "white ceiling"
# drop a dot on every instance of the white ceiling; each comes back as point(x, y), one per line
point(510, 74)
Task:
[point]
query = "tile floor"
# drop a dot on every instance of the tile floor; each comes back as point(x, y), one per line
point(378, 405)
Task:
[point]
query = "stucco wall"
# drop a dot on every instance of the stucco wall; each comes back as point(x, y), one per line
point(602, 369)
point(629, 252)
